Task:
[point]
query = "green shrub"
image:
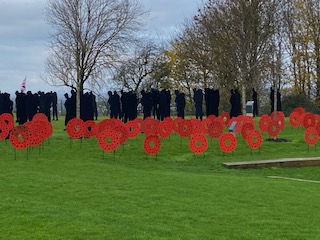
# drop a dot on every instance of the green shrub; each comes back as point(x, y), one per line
point(289, 102)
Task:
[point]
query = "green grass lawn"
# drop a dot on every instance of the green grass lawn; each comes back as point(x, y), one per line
point(72, 190)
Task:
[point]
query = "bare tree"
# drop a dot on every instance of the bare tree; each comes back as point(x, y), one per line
point(88, 37)
point(135, 72)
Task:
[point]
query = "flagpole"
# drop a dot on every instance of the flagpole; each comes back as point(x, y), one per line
point(23, 85)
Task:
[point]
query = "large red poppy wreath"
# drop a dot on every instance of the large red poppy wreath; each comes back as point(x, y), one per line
point(20, 137)
point(40, 116)
point(225, 117)
point(75, 128)
point(205, 125)
point(309, 120)
point(294, 119)
point(198, 143)
point(311, 136)
point(152, 144)
point(254, 139)
point(133, 128)
point(108, 140)
point(37, 134)
point(246, 128)
point(227, 142)
point(273, 128)
point(215, 129)
point(165, 129)
point(264, 122)
point(185, 128)
point(150, 126)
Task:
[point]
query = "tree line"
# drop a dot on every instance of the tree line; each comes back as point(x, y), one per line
point(227, 44)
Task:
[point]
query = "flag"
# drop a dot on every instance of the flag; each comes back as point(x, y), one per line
point(23, 85)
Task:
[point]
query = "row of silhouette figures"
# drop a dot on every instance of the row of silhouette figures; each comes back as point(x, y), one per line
point(157, 103)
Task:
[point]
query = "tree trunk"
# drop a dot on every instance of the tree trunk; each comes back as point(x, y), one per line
point(78, 99)
point(317, 53)
point(275, 103)
point(243, 99)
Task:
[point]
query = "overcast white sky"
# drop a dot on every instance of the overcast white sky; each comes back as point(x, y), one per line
point(24, 35)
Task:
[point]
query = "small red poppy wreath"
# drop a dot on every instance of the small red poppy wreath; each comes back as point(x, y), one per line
point(6, 119)
point(133, 128)
point(75, 128)
point(278, 114)
point(254, 139)
point(309, 120)
point(205, 125)
point(227, 142)
point(89, 126)
point(185, 128)
point(219, 119)
point(246, 128)
point(311, 136)
point(108, 140)
point(273, 128)
point(20, 136)
point(225, 117)
point(40, 116)
point(215, 129)
point(299, 110)
point(150, 126)
point(196, 125)
point(212, 117)
point(294, 119)
point(176, 123)
point(152, 144)
point(264, 122)
point(279, 117)
point(165, 129)
point(139, 121)
point(198, 143)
